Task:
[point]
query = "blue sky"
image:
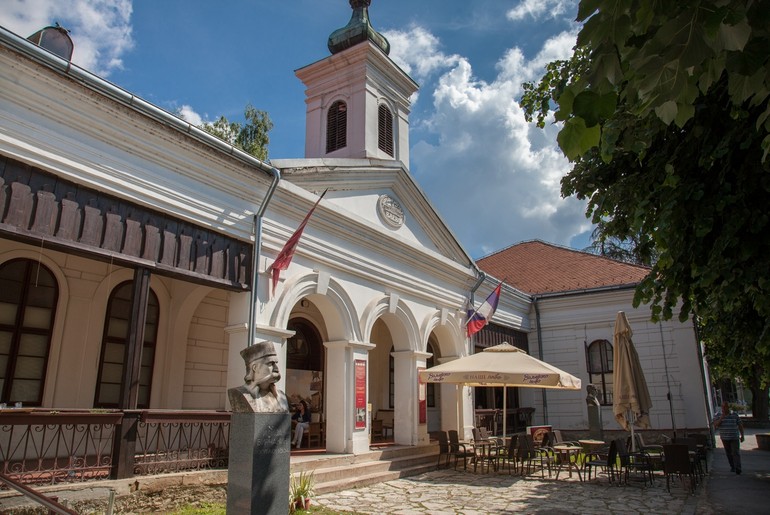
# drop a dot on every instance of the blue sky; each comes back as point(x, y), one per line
point(492, 177)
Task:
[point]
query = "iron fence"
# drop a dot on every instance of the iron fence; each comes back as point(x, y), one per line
point(40, 446)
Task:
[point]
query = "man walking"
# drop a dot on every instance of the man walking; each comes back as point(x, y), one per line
point(731, 432)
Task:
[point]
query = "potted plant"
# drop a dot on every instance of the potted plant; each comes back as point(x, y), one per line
point(301, 490)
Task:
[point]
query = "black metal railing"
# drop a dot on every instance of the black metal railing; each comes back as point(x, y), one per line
point(178, 441)
point(40, 446)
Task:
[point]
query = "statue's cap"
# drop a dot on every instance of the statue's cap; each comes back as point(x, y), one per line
point(258, 351)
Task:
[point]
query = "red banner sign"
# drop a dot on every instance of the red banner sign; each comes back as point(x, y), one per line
point(360, 414)
point(422, 398)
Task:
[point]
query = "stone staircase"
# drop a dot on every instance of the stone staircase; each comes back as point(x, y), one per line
point(333, 473)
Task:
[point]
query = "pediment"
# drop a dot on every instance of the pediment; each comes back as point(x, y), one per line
point(380, 193)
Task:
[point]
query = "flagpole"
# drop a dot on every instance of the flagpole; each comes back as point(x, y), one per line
point(475, 311)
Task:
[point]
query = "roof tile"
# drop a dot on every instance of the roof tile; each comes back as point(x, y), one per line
point(537, 267)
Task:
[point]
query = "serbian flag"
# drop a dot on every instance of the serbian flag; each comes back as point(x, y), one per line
point(283, 259)
point(481, 317)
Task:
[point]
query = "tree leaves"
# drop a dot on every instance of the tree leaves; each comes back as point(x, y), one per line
point(667, 125)
point(251, 137)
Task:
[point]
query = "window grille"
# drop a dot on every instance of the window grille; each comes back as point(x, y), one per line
point(385, 130)
point(336, 127)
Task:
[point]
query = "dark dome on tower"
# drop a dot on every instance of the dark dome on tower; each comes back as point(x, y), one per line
point(358, 30)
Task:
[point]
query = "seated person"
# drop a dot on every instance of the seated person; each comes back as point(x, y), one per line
point(302, 418)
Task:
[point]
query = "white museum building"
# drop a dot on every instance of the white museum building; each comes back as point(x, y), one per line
point(133, 246)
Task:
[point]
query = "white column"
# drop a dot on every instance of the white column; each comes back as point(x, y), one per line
point(341, 433)
point(407, 429)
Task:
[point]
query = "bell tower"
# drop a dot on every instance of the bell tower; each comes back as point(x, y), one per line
point(358, 99)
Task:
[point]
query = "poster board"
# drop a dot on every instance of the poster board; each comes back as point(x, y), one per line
point(538, 432)
point(360, 405)
point(422, 398)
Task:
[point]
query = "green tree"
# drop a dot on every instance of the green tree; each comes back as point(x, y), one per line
point(666, 120)
point(251, 136)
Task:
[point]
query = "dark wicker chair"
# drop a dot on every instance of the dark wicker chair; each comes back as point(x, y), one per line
point(678, 462)
point(509, 455)
point(459, 450)
point(633, 462)
point(443, 448)
point(609, 462)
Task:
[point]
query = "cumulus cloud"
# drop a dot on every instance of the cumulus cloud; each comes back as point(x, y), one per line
point(538, 9)
point(100, 29)
point(186, 112)
point(493, 177)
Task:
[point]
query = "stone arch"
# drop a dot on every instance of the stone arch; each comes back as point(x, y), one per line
point(331, 299)
point(448, 328)
point(389, 307)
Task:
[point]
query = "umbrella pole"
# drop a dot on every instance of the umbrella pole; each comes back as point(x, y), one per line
point(630, 419)
point(505, 410)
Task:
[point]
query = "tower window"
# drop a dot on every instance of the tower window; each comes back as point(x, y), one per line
point(336, 126)
point(385, 130)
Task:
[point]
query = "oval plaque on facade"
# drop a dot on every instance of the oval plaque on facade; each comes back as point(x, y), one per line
point(390, 211)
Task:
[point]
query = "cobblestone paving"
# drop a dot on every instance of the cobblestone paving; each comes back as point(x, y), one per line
point(450, 492)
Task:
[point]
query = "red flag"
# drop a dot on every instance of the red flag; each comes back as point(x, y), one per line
point(283, 259)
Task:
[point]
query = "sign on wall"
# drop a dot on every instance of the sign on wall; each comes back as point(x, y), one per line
point(422, 398)
point(360, 414)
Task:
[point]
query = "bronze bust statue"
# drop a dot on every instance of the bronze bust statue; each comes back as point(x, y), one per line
point(259, 393)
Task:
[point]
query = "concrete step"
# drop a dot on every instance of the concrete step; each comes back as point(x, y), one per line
point(335, 473)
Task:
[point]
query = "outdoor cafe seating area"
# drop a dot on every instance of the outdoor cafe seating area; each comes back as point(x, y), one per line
point(679, 463)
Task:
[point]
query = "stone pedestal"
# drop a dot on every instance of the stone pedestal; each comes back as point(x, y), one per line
point(595, 429)
point(258, 473)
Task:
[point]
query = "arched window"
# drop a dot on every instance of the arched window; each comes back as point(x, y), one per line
point(28, 296)
point(336, 126)
point(385, 130)
point(304, 350)
point(109, 382)
point(599, 358)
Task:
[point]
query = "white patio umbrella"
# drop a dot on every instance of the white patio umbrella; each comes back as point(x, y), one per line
point(631, 401)
point(501, 365)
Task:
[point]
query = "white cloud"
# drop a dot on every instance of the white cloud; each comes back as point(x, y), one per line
point(418, 52)
point(100, 29)
point(187, 113)
point(537, 9)
point(493, 177)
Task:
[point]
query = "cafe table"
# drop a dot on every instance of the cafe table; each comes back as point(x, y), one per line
point(565, 454)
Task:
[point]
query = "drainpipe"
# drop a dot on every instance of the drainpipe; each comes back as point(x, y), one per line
point(540, 354)
point(257, 250)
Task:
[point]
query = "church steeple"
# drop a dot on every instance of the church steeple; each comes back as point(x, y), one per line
point(358, 30)
point(357, 98)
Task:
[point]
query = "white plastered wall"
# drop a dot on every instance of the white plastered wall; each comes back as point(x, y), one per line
point(569, 321)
